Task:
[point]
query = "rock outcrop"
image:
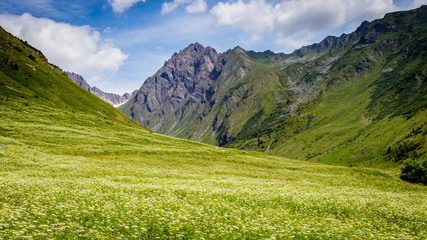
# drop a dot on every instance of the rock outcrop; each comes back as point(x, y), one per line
point(180, 87)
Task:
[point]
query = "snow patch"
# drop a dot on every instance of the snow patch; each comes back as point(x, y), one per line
point(118, 105)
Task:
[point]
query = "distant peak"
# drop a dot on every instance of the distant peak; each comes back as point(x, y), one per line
point(197, 47)
point(362, 26)
point(193, 50)
point(196, 44)
point(238, 49)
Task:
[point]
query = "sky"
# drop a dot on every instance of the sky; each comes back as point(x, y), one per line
point(117, 44)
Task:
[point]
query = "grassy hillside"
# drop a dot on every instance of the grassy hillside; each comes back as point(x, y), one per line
point(73, 167)
point(27, 78)
point(362, 104)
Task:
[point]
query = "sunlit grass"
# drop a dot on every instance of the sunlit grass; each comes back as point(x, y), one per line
point(63, 177)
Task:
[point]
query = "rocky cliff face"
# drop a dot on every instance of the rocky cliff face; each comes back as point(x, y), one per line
point(179, 89)
point(111, 98)
point(185, 90)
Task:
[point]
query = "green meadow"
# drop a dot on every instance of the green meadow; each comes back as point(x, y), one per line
point(63, 177)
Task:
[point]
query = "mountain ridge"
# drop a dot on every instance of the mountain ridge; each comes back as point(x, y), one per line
point(113, 99)
point(270, 102)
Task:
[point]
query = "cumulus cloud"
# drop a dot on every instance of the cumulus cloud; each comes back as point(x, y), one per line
point(418, 3)
point(74, 48)
point(256, 16)
point(121, 5)
point(193, 6)
point(296, 22)
point(197, 6)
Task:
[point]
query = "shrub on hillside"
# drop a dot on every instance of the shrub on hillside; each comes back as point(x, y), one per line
point(414, 171)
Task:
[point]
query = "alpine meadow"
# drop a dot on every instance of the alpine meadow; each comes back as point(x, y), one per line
point(351, 110)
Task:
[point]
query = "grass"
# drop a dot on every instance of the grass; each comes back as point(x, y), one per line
point(63, 177)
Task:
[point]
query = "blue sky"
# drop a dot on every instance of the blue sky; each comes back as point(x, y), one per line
point(117, 44)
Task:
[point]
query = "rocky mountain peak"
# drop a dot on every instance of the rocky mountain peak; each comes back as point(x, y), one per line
point(191, 58)
point(239, 49)
point(193, 48)
point(362, 26)
point(184, 82)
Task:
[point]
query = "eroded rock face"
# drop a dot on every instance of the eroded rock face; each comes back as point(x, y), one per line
point(181, 85)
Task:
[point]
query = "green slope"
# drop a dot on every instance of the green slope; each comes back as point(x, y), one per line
point(27, 78)
point(73, 167)
point(368, 108)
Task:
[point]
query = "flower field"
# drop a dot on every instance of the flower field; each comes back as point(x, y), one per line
point(62, 177)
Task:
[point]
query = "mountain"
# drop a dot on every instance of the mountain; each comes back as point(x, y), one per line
point(111, 98)
point(74, 167)
point(180, 87)
point(357, 99)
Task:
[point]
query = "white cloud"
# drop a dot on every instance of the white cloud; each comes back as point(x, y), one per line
point(255, 16)
point(296, 22)
point(197, 6)
point(418, 3)
point(193, 6)
point(74, 48)
point(168, 7)
point(121, 5)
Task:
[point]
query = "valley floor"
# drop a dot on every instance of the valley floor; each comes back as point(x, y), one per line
point(72, 175)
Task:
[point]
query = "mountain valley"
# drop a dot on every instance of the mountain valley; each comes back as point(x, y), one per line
point(357, 99)
point(74, 167)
